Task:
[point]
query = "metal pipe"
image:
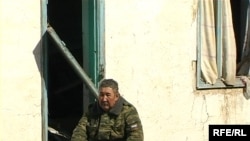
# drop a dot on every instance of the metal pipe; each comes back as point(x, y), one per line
point(71, 59)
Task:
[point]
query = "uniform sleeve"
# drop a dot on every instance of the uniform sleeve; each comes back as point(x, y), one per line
point(134, 130)
point(80, 132)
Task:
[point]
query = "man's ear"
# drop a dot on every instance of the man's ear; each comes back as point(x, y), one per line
point(117, 95)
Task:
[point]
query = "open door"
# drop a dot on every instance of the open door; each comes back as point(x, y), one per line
point(79, 25)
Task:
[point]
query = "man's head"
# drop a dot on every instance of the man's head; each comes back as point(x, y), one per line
point(108, 94)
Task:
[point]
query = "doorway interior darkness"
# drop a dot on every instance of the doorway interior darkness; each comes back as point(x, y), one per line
point(66, 91)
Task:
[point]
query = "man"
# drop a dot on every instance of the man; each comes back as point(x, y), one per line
point(111, 118)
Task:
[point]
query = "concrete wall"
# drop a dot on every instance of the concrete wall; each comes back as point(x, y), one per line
point(20, 85)
point(150, 50)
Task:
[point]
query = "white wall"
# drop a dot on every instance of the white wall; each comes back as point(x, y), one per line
point(20, 86)
point(151, 51)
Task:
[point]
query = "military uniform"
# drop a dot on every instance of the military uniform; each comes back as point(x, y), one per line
point(121, 123)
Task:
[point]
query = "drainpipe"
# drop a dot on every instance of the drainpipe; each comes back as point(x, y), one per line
point(71, 59)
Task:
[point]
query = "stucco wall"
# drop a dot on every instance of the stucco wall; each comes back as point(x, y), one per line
point(20, 85)
point(151, 51)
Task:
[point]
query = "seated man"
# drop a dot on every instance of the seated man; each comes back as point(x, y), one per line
point(111, 118)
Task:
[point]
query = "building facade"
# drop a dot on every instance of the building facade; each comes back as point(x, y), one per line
point(149, 47)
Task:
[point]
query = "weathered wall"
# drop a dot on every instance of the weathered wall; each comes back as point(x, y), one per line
point(20, 86)
point(151, 51)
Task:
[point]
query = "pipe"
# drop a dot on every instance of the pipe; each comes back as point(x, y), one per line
point(71, 59)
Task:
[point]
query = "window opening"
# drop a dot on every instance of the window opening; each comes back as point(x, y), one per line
point(215, 43)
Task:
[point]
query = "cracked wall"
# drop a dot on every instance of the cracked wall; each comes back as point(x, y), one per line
point(150, 50)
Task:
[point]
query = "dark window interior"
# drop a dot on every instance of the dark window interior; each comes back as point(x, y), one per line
point(239, 10)
point(65, 88)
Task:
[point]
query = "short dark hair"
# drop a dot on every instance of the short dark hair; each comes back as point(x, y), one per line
point(110, 83)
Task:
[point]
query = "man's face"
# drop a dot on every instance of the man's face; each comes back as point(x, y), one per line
point(107, 98)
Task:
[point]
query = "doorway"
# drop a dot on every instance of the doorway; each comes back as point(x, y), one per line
point(76, 24)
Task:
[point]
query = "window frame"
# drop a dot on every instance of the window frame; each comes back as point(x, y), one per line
point(219, 83)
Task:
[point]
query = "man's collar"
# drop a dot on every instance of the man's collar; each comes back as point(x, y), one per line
point(116, 110)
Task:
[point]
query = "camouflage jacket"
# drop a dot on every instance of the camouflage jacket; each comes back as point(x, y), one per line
point(121, 123)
